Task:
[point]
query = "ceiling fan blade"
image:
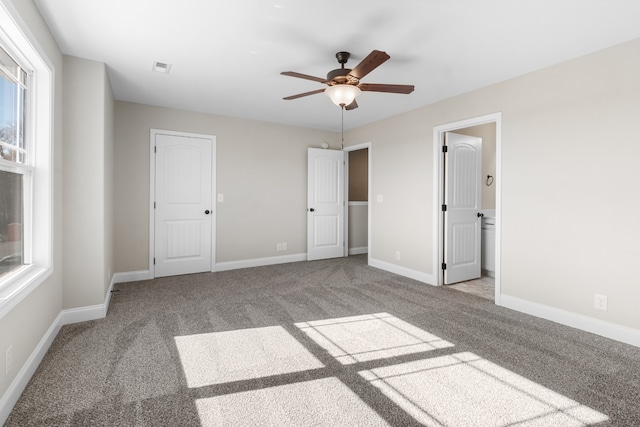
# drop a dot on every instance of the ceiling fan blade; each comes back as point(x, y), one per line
point(376, 87)
point(368, 64)
point(300, 95)
point(303, 76)
point(352, 106)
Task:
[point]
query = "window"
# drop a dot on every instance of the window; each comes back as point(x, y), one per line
point(26, 168)
point(13, 85)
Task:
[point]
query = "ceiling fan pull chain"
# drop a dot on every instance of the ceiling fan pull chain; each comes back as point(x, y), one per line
point(342, 127)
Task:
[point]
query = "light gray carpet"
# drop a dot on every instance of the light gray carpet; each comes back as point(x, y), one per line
point(324, 343)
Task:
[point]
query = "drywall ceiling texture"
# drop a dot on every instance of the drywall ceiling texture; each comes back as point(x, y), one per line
point(227, 56)
point(569, 178)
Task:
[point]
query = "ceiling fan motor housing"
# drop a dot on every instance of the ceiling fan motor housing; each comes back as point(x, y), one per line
point(338, 76)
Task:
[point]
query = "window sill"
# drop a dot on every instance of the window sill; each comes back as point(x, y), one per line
point(15, 286)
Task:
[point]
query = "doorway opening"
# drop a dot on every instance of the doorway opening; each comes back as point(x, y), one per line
point(358, 196)
point(491, 184)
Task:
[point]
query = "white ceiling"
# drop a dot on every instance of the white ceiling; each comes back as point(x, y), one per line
point(227, 56)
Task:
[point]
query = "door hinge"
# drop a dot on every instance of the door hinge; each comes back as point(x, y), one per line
point(444, 208)
point(154, 205)
point(444, 148)
point(155, 149)
point(154, 261)
point(444, 265)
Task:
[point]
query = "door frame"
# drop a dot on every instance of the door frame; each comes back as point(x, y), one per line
point(438, 192)
point(356, 147)
point(152, 192)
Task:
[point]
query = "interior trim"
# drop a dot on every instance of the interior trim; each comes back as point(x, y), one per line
point(259, 262)
point(603, 328)
point(19, 383)
point(358, 251)
point(402, 271)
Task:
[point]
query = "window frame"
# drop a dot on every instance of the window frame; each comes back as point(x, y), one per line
point(21, 80)
point(37, 172)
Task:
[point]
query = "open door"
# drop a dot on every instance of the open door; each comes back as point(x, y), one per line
point(462, 204)
point(325, 204)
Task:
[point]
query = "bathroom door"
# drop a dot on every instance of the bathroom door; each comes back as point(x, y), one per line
point(463, 201)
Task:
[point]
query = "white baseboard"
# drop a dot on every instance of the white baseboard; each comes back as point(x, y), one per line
point(21, 380)
point(589, 324)
point(489, 273)
point(358, 251)
point(402, 271)
point(131, 276)
point(92, 312)
point(65, 317)
point(259, 262)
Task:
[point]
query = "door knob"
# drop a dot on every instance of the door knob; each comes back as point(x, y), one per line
point(312, 210)
point(207, 212)
point(480, 214)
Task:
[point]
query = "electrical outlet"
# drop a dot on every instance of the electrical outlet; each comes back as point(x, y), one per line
point(8, 360)
point(284, 246)
point(279, 246)
point(220, 197)
point(600, 302)
point(398, 255)
point(379, 198)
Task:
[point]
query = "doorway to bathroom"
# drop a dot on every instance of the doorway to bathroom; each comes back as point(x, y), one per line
point(357, 190)
point(476, 238)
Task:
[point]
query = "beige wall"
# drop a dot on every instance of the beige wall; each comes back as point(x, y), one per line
point(261, 170)
point(88, 122)
point(25, 325)
point(401, 165)
point(358, 226)
point(569, 182)
point(487, 132)
point(358, 175)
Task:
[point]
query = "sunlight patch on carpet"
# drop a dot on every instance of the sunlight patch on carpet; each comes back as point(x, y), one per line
point(370, 337)
point(220, 357)
point(464, 390)
point(323, 402)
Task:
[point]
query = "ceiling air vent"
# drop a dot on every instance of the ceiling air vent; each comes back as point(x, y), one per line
point(161, 67)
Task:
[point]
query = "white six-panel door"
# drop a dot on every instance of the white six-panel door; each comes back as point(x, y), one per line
point(325, 204)
point(184, 214)
point(463, 200)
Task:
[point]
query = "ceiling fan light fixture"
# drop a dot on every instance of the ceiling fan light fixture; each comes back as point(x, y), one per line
point(342, 95)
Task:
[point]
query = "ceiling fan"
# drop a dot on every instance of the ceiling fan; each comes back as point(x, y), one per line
point(344, 83)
